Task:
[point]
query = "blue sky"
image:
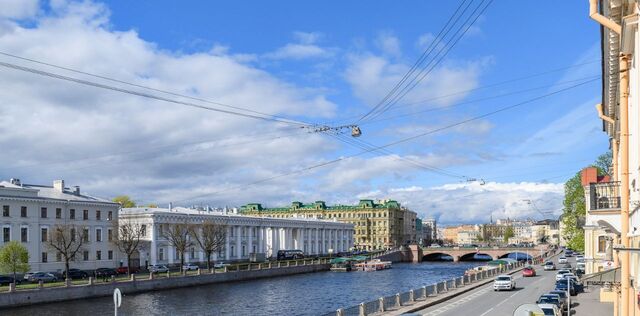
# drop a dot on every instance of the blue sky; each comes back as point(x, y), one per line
point(311, 62)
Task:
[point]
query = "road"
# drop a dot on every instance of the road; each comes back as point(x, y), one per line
point(484, 301)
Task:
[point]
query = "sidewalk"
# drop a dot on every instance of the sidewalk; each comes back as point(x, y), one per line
point(588, 303)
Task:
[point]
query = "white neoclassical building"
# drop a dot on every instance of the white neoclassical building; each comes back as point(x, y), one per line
point(30, 211)
point(245, 234)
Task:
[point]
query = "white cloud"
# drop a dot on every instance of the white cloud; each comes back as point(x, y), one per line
point(389, 44)
point(371, 77)
point(18, 9)
point(307, 38)
point(48, 125)
point(305, 47)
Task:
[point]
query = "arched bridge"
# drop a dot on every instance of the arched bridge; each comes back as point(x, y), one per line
point(462, 253)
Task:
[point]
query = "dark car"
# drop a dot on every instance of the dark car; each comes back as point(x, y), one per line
point(104, 272)
point(549, 299)
point(562, 286)
point(75, 274)
point(125, 270)
point(6, 280)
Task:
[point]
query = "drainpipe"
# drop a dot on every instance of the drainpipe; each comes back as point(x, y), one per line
point(614, 159)
point(601, 114)
point(624, 173)
point(604, 21)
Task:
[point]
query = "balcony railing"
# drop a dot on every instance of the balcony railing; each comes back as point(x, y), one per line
point(604, 196)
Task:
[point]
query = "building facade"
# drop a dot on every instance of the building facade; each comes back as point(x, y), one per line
point(377, 225)
point(429, 230)
point(244, 235)
point(30, 212)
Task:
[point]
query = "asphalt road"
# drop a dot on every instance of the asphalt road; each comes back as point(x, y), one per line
point(484, 301)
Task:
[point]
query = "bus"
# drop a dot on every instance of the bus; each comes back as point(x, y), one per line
point(290, 254)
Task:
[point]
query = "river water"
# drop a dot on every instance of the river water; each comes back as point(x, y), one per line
point(303, 294)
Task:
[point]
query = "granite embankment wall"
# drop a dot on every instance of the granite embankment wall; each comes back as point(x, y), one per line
point(58, 294)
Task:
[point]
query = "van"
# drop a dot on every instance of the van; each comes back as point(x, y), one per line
point(290, 254)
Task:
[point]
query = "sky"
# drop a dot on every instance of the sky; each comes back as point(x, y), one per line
point(325, 63)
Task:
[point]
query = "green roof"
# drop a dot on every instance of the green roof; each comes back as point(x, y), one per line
point(299, 206)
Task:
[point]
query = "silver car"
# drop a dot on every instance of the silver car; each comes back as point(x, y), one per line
point(42, 276)
point(158, 269)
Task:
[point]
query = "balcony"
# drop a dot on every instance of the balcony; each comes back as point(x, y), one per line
point(604, 196)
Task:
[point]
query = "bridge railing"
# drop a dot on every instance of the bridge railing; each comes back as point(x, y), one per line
point(399, 300)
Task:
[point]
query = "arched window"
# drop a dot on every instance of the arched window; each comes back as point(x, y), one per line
point(602, 243)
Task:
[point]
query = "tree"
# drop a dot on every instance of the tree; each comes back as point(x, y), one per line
point(125, 201)
point(508, 233)
point(178, 237)
point(210, 236)
point(66, 240)
point(127, 239)
point(152, 205)
point(603, 163)
point(14, 258)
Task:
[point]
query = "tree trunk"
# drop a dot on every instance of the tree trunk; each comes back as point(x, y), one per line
point(66, 267)
point(208, 260)
point(128, 264)
point(182, 261)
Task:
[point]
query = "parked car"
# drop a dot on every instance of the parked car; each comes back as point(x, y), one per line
point(562, 295)
point(158, 269)
point(220, 265)
point(562, 286)
point(125, 270)
point(580, 267)
point(6, 280)
point(550, 299)
point(560, 274)
point(562, 260)
point(42, 276)
point(549, 266)
point(568, 253)
point(528, 272)
point(104, 272)
point(550, 310)
point(576, 282)
point(504, 282)
point(189, 267)
point(29, 274)
point(75, 274)
point(579, 258)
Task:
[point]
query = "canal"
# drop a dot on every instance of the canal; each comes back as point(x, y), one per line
point(304, 294)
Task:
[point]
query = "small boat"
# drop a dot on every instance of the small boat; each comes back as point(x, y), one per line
point(373, 265)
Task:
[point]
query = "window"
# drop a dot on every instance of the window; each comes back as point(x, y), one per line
point(85, 255)
point(44, 257)
point(6, 234)
point(193, 253)
point(5, 210)
point(98, 255)
point(43, 212)
point(143, 230)
point(23, 211)
point(85, 234)
point(161, 254)
point(24, 234)
point(109, 215)
point(602, 244)
point(110, 254)
point(98, 234)
point(85, 215)
point(43, 233)
point(98, 215)
point(58, 213)
point(72, 214)
point(110, 234)
point(58, 256)
point(73, 234)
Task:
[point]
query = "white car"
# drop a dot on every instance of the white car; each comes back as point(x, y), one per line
point(220, 265)
point(158, 269)
point(562, 260)
point(561, 273)
point(549, 266)
point(580, 258)
point(550, 310)
point(189, 267)
point(504, 282)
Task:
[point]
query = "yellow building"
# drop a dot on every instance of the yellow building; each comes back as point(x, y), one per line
point(377, 225)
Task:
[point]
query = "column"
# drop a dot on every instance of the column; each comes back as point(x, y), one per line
point(275, 240)
point(238, 242)
point(260, 239)
point(318, 241)
point(171, 252)
point(227, 244)
point(153, 251)
point(252, 230)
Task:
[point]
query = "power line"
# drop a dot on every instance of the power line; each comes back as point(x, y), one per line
point(146, 95)
point(326, 163)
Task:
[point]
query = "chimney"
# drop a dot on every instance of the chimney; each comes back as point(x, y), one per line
point(58, 185)
point(76, 190)
point(15, 181)
point(589, 175)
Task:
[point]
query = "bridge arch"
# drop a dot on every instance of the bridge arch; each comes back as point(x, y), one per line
point(437, 256)
point(476, 256)
point(518, 255)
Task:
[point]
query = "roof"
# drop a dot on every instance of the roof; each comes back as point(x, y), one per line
point(47, 192)
point(321, 205)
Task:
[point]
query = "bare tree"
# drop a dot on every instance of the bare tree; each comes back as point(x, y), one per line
point(178, 236)
point(66, 240)
point(127, 238)
point(210, 236)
